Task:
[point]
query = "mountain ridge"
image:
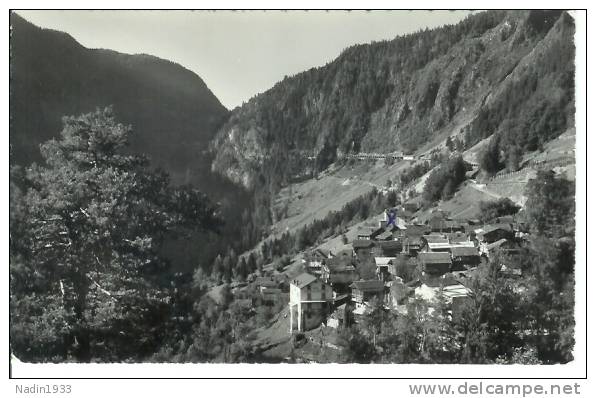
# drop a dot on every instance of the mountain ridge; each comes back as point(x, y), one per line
point(398, 95)
point(173, 112)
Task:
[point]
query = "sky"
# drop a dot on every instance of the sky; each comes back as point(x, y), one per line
point(238, 54)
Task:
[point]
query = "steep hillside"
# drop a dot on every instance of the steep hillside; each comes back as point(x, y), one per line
point(173, 112)
point(509, 73)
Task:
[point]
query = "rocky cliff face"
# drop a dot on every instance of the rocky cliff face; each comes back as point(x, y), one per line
point(405, 94)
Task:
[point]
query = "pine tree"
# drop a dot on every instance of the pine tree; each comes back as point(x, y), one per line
point(251, 263)
point(459, 145)
point(85, 250)
point(449, 144)
point(550, 208)
point(490, 158)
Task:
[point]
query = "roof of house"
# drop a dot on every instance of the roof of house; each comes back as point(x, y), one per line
point(384, 261)
point(441, 246)
point(376, 231)
point(338, 262)
point(450, 289)
point(463, 251)
point(456, 290)
point(417, 227)
point(433, 238)
point(416, 230)
point(368, 286)
point(365, 231)
point(303, 280)
point(390, 244)
point(339, 266)
point(495, 227)
point(385, 234)
point(266, 281)
point(362, 243)
point(435, 258)
point(497, 244)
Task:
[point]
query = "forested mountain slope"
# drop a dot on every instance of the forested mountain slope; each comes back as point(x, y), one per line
point(509, 73)
point(173, 114)
point(172, 111)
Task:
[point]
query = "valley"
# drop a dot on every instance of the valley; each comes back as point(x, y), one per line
point(411, 201)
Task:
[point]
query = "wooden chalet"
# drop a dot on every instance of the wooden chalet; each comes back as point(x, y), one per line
point(492, 233)
point(339, 273)
point(435, 263)
point(464, 257)
point(388, 248)
point(362, 246)
point(364, 291)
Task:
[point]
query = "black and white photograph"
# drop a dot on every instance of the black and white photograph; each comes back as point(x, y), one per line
point(265, 187)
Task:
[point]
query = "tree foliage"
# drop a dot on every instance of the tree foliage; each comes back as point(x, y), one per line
point(444, 180)
point(550, 208)
point(490, 158)
point(490, 210)
point(87, 228)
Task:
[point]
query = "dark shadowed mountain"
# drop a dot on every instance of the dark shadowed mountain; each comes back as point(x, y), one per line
point(500, 73)
point(172, 111)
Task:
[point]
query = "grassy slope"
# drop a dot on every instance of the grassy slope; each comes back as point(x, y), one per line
point(315, 198)
point(311, 199)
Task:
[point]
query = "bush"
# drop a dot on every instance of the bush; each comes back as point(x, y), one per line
point(490, 210)
point(414, 172)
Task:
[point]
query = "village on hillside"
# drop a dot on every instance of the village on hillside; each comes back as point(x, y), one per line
point(395, 261)
point(406, 254)
point(411, 201)
point(402, 257)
